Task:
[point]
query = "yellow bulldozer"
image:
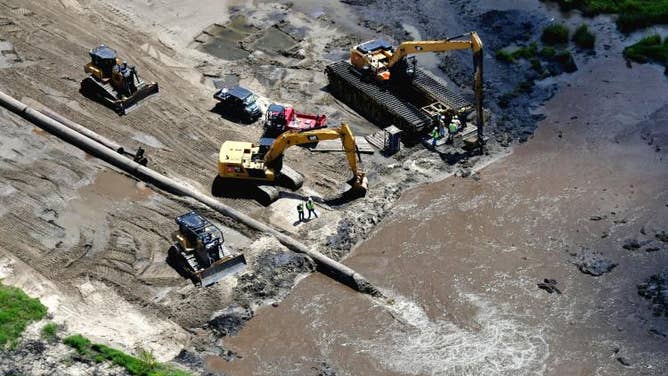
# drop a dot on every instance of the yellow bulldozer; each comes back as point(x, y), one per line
point(248, 161)
point(113, 82)
point(199, 251)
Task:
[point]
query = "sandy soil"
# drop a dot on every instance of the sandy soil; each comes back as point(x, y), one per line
point(94, 238)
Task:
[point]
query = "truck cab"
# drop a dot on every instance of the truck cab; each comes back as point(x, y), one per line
point(279, 119)
point(238, 102)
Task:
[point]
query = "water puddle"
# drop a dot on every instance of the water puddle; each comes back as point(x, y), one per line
point(40, 132)
point(115, 186)
point(223, 41)
point(274, 40)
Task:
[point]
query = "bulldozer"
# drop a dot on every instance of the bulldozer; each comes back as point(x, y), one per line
point(113, 82)
point(248, 161)
point(384, 84)
point(199, 252)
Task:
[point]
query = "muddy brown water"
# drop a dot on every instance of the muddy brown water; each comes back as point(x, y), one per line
point(460, 259)
point(116, 186)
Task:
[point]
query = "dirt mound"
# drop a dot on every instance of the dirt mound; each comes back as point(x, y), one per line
point(655, 289)
point(593, 263)
point(273, 276)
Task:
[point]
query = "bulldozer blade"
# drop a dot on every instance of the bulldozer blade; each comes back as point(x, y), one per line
point(222, 268)
point(126, 105)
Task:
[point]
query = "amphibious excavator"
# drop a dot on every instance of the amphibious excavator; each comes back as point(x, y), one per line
point(199, 252)
point(384, 84)
point(248, 161)
point(113, 82)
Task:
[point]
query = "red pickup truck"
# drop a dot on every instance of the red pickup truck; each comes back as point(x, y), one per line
point(280, 119)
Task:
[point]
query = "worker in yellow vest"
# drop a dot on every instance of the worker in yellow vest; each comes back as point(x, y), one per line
point(310, 206)
point(453, 128)
point(300, 211)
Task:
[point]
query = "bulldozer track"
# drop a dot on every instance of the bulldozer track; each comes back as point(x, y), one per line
point(112, 274)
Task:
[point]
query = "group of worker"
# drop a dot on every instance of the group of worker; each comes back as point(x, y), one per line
point(440, 130)
point(310, 206)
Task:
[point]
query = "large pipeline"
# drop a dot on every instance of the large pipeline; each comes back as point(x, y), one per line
point(326, 265)
point(137, 155)
point(72, 125)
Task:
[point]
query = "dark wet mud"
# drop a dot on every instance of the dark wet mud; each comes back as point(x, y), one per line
point(461, 260)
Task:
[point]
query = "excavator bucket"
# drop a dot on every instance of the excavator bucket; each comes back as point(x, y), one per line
point(359, 185)
point(220, 269)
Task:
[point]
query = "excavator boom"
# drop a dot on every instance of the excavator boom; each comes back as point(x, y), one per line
point(451, 44)
point(388, 65)
point(243, 160)
point(287, 139)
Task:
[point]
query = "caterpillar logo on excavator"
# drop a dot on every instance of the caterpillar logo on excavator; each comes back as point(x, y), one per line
point(247, 161)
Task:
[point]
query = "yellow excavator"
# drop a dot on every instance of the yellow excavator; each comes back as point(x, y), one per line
point(379, 58)
point(383, 83)
point(248, 161)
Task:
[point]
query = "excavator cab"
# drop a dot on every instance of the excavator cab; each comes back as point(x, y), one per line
point(371, 58)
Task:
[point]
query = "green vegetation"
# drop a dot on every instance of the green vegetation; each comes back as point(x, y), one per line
point(527, 52)
point(536, 65)
point(16, 310)
point(583, 38)
point(633, 14)
point(79, 343)
point(504, 55)
point(49, 331)
point(144, 365)
point(649, 49)
point(565, 59)
point(555, 34)
point(547, 52)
